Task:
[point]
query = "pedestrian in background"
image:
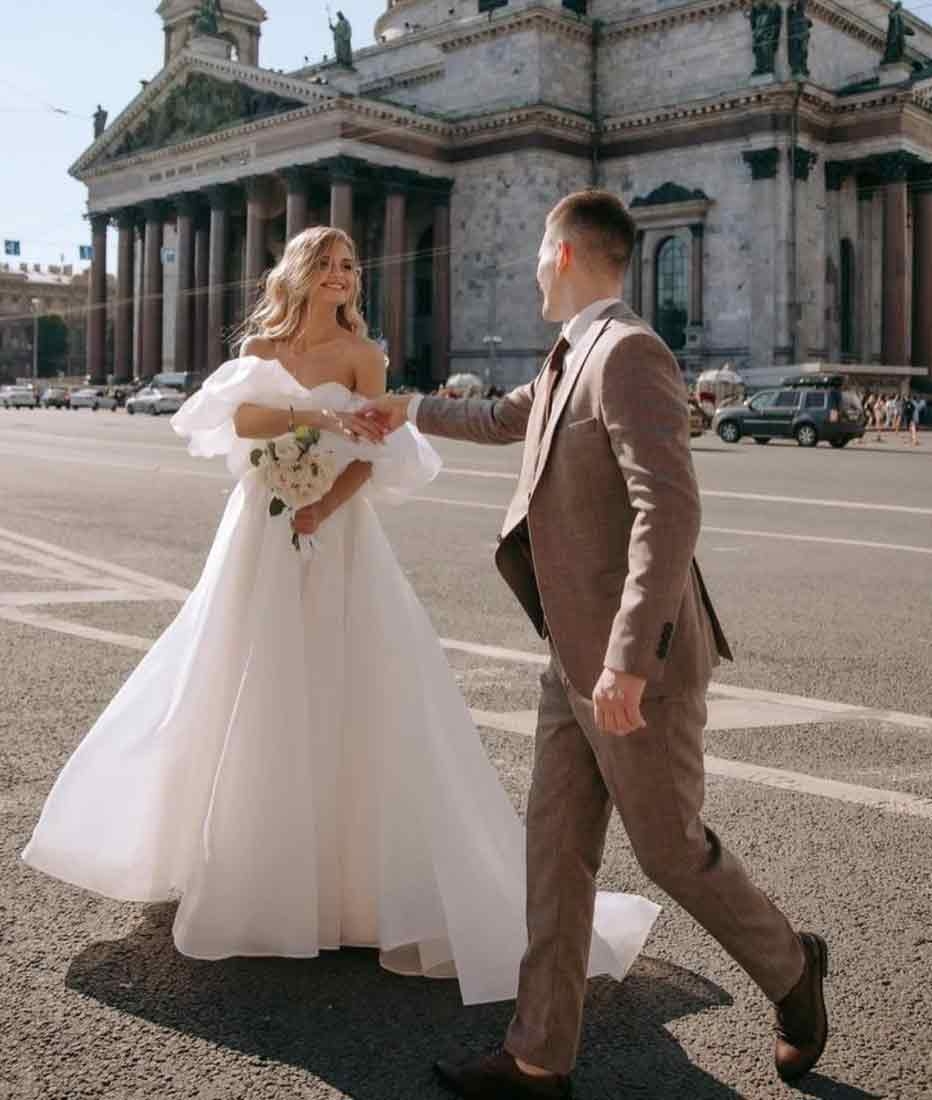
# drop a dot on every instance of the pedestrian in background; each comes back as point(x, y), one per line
point(919, 408)
point(880, 411)
point(906, 414)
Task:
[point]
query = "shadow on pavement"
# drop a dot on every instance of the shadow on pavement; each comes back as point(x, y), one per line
point(824, 1088)
point(373, 1036)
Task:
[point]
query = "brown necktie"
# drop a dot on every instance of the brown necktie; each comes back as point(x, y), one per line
point(552, 378)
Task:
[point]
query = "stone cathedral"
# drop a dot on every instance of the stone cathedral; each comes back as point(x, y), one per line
point(777, 157)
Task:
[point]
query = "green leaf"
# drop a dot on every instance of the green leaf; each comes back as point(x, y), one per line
point(255, 457)
point(276, 506)
point(306, 436)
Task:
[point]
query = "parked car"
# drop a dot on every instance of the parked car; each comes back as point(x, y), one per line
point(54, 397)
point(92, 397)
point(187, 382)
point(18, 397)
point(808, 410)
point(153, 400)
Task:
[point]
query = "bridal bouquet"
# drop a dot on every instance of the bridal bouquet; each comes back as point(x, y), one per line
point(296, 471)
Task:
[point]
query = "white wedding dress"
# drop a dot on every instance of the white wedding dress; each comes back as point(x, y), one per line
point(293, 759)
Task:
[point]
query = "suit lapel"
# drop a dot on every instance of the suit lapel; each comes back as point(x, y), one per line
point(567, 383)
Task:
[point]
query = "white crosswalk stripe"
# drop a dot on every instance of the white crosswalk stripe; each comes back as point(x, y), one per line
point(730, 706)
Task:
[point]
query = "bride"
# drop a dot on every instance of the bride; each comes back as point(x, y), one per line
point(292, 759)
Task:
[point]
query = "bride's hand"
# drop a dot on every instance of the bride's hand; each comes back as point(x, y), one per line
point(306, 520)
point(351, 426)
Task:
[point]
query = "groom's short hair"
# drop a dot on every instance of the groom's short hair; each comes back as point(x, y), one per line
point(600, 222)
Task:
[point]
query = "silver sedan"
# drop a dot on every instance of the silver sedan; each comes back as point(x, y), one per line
point(91, 398)
point(155, 401)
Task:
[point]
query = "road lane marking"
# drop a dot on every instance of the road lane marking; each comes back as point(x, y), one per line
point(476, 649)
point(76, 630)
point(90, 440)
point(110, 464)
point(38, 548)
point(860, 544)
point(725, 494)
point(523, 723)
point(74, 596)
point(833, 710)
point(854, 505)
point(459, 503)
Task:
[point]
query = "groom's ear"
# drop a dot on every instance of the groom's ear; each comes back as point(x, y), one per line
point(566, 252)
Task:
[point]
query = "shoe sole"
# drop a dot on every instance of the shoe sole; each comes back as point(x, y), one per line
point(822, 951)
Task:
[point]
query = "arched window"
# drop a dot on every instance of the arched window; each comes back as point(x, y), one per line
point(847, 299)
point(671, 309)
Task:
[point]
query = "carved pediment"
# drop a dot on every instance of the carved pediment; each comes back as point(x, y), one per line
point(669, 193)
point(201, 105)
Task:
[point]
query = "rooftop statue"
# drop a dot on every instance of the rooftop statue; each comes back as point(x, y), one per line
point(208, 18)
point(342, 40)
point(897, 33)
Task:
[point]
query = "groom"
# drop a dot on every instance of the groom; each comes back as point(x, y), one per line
point(598, 547)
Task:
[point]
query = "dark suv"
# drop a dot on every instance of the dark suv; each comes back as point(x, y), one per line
point(807, 409)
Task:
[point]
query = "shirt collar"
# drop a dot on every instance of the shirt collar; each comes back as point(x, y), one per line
point(576, 327)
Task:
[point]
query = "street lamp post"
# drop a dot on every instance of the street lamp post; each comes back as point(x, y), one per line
point(36, 303)
point(492, 342)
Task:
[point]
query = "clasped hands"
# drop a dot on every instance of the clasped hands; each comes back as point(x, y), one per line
point(373, 421)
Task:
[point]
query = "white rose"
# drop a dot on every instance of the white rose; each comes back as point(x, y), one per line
point(287, 450)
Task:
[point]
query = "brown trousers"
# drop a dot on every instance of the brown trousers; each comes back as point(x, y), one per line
point(656, 779)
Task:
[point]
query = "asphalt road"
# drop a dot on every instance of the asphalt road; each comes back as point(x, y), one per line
point(820, 777)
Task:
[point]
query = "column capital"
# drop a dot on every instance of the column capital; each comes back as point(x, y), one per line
point(127, 218)
point(894, 167)
point(697, 229)
point(440, 191)
point(866, 189)
point(187, 203)
point(397, 181)
point(296, 176)
point(153, 210)
point(99, 221)
point(256, 187)
point(341, 169)
point(836, 172)
point(762, 162)
point(801, 162)
point(220, 196)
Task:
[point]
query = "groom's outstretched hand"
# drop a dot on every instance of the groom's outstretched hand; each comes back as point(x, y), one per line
point(616, 699)
point(390, 411)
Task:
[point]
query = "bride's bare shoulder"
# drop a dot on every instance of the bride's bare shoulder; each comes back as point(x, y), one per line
point(369, 366)
point(260, 346)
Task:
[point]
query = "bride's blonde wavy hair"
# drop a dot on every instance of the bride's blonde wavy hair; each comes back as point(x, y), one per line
point(281, 311)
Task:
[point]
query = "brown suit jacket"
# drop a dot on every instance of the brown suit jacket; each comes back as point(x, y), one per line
point(598, 541)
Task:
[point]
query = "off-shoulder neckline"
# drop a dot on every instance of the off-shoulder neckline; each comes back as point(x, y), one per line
point(307, 389)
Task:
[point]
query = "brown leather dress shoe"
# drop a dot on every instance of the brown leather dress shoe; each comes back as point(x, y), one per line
point(802, 1022)
point(497, 1077)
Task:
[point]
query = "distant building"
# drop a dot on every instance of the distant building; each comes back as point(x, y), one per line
point(53, 291)
point(777, 158)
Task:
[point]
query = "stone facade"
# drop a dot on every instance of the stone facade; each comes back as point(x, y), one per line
point(777, 212)
point(28, 291)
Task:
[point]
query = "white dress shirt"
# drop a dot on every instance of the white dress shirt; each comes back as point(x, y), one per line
point(574, 330)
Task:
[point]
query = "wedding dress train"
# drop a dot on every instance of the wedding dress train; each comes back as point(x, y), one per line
point(293, 760)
